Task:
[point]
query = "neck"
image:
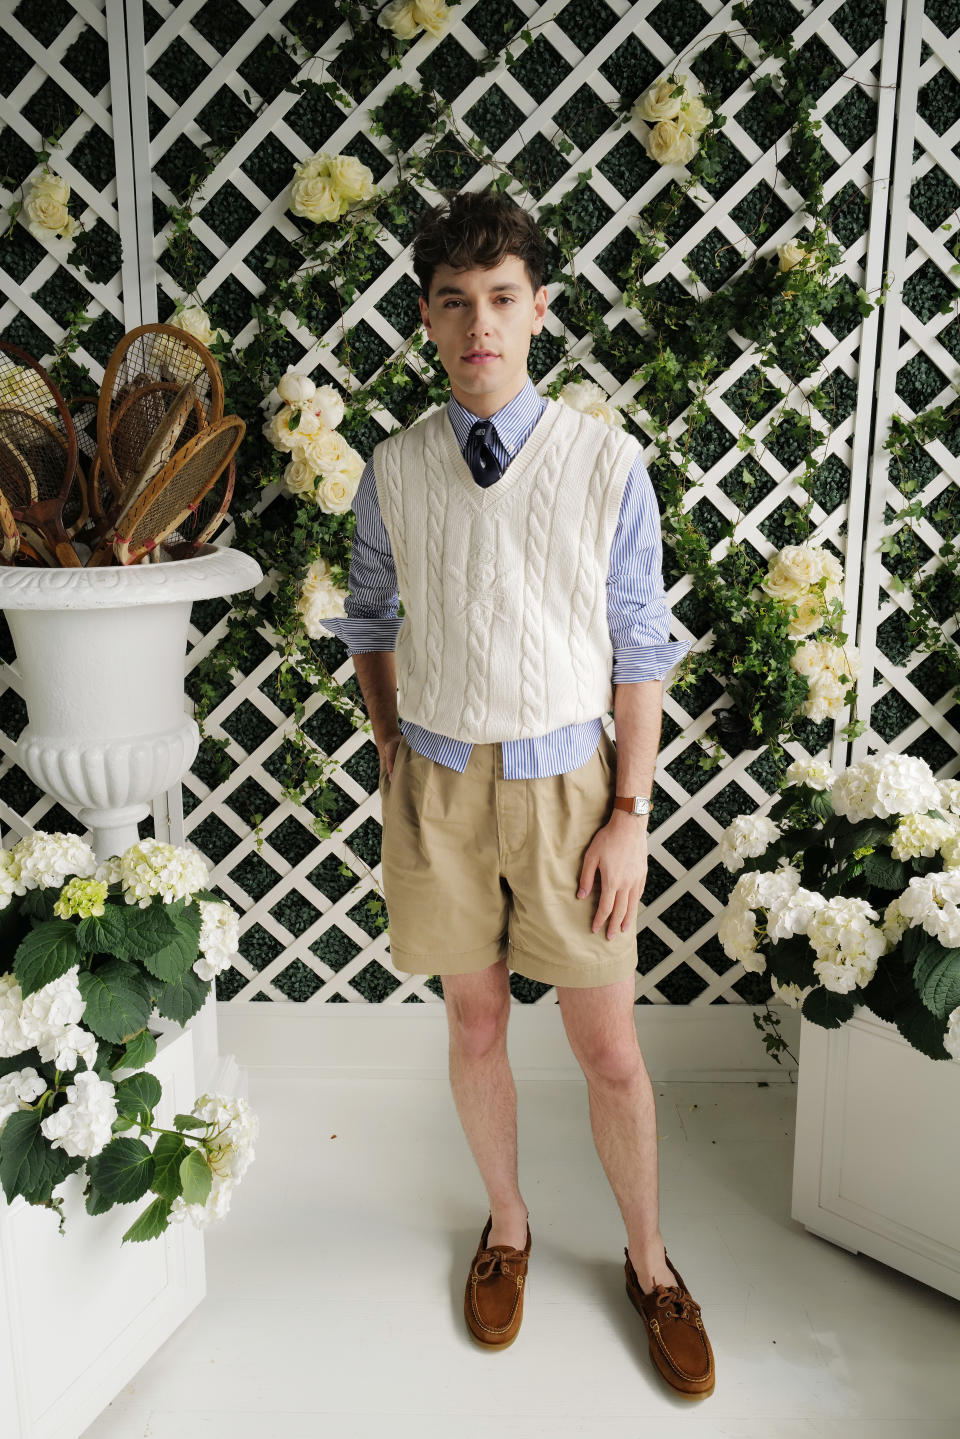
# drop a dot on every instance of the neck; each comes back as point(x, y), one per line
point(483, 406)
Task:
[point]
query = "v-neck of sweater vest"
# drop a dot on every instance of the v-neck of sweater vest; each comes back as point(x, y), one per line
point(483, 497)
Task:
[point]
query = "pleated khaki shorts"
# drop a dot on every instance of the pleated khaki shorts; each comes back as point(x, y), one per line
point(477, 868)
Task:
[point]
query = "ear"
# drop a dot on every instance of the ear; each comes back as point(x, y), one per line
point(540, 303)
point(424, 313)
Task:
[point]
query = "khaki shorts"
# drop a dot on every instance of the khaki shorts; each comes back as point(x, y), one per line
point(477, 868)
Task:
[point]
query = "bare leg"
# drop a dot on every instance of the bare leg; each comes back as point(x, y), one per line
point(478, 1007)
point(600, 1027)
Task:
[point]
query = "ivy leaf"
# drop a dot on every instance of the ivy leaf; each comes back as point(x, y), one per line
point(45, 954)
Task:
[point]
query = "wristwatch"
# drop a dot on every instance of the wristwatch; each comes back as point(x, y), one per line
point(635, 804)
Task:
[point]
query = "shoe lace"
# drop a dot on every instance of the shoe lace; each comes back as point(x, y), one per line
point(676, 1302)
point(490, 1260)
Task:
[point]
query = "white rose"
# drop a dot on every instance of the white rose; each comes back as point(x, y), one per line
point(327, 405)
point(314, 196)
point(324, 450)
point(399, 17)
point(351, 179)
point(295, 389)
point(299, 476)
point(590, 399)
point(746, 837)
point(319, 599)
point(800, 563)
point(292, 429)
point(433, 15)
point(334, 494)
point(694, 115)
point(660, 102)
point(791, 254)
point(196, 322)
point(668, 144)
point(46, 208)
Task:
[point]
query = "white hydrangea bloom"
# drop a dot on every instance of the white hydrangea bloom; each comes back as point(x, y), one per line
point(82, 897)
point(762, 889)
point(54, 1007)
point(83, 1126)
point(846, 942)
point(66, 1047)
point(933, 901)
point(951, 1039)
point(746, 837)
point(791, 994)
point(949, 796)
point(883, 786)
point(152, 867)
point(109, 871)
point(219, 937)
point(814, 773)
point(895, 923)
point(18, 1089)
point(46, 860)
point(12, 1038)
point(11, 882)
point(737, 932)
point(920, 834)
point(229, 1158)
point(950, 851)
point(792, 914)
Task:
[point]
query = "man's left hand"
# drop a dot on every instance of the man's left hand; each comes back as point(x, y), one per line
point(619, 852)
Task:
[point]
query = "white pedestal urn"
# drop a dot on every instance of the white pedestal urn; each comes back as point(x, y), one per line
point(876, 1160)
point(100, 655)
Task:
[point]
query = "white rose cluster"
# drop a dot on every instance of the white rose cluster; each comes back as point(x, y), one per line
point(320, 599)
point(592, 399)
point(325, 186)
point(847, 943)
point(322, 467)
point(229, 1155)
point(45, 207)
point(677, 116)
point(153, 868)
point(807, 577)
point(814, 773)
point(885, 785)
point(746, 837)
point(829, 671)
point(406, 18)
point(219, 937)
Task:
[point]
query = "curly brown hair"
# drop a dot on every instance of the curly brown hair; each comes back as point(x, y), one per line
point(477, 231)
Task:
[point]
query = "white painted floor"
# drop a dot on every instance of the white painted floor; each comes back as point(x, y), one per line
point(335, 1286)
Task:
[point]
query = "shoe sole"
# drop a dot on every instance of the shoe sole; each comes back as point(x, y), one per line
point(682, 1393)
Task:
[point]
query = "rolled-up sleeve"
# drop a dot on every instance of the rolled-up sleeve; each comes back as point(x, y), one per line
point(637, 611)
point(373, 602)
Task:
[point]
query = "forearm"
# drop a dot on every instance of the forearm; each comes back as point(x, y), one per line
point(637, 716)
point(377, 677)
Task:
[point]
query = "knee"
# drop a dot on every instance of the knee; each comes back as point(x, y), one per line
point(476, 1031)
point(617, 1065)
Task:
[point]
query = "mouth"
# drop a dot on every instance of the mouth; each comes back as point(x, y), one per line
point(480, 357)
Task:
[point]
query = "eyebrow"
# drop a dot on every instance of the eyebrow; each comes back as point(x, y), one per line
point(453, 290)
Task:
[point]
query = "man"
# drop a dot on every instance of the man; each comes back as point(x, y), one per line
point(525, 539)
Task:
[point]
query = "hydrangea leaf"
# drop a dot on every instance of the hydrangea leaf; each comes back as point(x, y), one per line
point(117, 999)
point(175, 957)
point(45, 954)
point(150, 1224)
point(138, 1095)
point(28, 1164)
point(138, 1052)
point(937, 977)
point(922, 1029)
point(196, 1177)
point(886, 872)
point(123, 1171)
point(827, 1008)
point(181, 998)
point(169, 1153)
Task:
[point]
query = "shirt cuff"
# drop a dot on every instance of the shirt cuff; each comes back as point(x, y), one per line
point(362, 636)
point(647, 662)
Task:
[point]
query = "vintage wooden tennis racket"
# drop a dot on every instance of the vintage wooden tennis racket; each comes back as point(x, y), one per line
point(152, 362)
point(175, 494)
point(9, 534)
point(40, 450)
point(189, 538)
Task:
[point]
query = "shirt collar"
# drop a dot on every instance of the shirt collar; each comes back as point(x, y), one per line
point(512, 423)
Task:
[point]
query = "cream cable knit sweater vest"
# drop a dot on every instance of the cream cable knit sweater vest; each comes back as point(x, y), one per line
point(505, 631)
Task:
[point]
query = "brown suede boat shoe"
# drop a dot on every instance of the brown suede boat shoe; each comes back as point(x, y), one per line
point(493, 1302)
point(679, 1346)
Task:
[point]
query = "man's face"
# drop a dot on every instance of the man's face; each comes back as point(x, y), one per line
point(482, 322)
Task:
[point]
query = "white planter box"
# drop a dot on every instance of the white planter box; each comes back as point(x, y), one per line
point(80, 1312)
point(876, 1160)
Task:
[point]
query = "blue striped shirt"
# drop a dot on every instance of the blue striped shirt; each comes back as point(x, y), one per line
point(637, 612)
